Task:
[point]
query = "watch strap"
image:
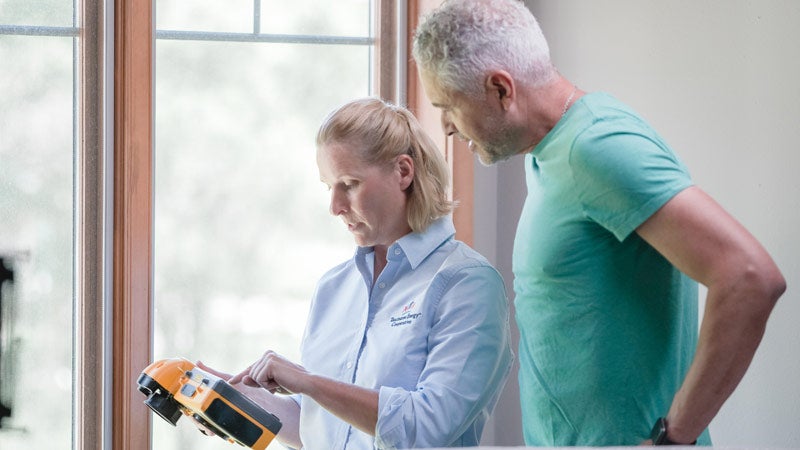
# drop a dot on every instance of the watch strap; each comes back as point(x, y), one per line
point(659, 434)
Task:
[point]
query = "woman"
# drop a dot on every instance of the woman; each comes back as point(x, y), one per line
point(407, 343)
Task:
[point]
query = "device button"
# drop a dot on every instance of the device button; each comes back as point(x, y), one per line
point(188, 390)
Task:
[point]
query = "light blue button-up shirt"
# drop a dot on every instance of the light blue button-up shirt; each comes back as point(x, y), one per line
point(431, 334)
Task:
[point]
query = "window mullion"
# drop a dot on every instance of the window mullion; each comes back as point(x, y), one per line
point(385, 64)
point(89, 383)
point(256, 16)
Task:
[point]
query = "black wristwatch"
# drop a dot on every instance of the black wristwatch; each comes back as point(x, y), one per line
point(659, 434)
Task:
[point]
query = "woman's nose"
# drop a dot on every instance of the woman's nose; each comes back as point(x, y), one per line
point(338, 203)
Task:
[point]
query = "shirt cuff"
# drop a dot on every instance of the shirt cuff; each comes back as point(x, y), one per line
point(391, 431)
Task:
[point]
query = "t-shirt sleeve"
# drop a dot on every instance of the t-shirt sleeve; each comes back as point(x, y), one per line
point(623, 177)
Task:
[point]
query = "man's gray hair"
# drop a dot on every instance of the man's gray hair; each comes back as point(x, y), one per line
point(463, 39)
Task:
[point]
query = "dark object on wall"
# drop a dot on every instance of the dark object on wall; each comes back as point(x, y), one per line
point(6, 378)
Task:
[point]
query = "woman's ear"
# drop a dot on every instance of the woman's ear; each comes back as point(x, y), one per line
point(405, 168)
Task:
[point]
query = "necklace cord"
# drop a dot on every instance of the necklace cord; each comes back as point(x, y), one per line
point(569, 99)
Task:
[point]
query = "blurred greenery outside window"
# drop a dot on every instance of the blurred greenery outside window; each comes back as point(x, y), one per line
point(242, 230)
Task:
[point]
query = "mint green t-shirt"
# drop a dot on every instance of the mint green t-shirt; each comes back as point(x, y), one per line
point(608, 327)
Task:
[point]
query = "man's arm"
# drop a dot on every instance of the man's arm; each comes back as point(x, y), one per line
point(703, 241)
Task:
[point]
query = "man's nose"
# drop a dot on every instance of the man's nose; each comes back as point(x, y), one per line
point(447, 125)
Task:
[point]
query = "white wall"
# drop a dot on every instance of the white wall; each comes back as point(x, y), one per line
point(720, 80)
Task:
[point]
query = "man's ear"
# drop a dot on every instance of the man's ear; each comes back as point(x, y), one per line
point(500, 87)
point(405, 168)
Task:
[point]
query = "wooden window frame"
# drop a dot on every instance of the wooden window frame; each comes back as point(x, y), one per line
point(460, 159)
point(132, 255)
point(132, 220)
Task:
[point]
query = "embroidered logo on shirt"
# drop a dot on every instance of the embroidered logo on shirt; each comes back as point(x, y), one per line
point(406, 316)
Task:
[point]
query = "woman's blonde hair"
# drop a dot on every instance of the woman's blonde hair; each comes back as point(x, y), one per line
point(378, 132)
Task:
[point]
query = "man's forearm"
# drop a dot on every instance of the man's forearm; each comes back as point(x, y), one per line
point(732, 329)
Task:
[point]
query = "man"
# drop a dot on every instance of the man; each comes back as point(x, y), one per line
point(610, 244)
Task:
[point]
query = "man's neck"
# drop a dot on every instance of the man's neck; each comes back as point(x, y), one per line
point(546, 105)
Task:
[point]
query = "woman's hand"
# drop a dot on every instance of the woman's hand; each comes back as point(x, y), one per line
point(216, 373)
point(275, 374)
point(283, 407)
point(225, 376)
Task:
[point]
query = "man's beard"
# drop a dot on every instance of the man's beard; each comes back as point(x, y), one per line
point(492, 153)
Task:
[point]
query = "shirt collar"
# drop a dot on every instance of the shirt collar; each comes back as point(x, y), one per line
point(418, 245)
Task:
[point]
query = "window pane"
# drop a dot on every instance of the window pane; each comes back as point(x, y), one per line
point(339, 18)
point(36, 206)
point(242, 229)
point(233, 16)
point(54, 13)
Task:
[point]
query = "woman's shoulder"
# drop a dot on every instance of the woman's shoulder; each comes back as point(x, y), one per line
point(463, 260)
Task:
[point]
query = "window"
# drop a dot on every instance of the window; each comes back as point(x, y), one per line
point(77, 224)
point(51, 233)
point(133, 192)
point(242, 230)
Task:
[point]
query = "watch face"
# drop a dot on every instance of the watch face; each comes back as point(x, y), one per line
point(659, 433)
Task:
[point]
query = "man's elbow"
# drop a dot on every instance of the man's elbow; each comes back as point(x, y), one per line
point(766, 285)
point(776, 286)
